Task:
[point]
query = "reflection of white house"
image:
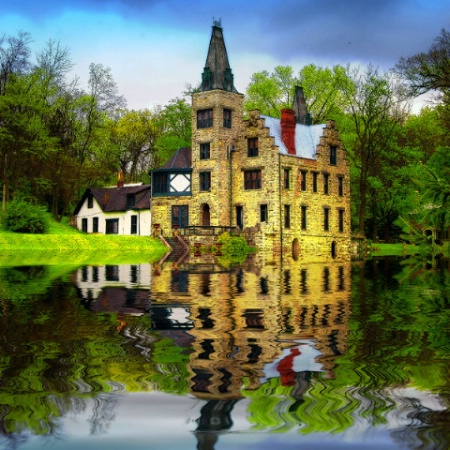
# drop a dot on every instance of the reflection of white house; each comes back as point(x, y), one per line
point(124, 209)
point(119, 288)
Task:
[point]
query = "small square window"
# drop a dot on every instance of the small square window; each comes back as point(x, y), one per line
point(205, 151)
point(252, 179)
point(205, 118)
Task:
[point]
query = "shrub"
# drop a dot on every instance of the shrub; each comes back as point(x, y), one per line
point(22, 217)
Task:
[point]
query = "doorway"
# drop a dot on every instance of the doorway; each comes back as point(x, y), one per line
point(206, 215)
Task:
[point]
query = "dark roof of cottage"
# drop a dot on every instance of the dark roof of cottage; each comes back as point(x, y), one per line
point(113, 199)
point(182, 159)
point(217, 73)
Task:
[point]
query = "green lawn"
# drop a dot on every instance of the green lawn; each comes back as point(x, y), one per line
point(65, 245)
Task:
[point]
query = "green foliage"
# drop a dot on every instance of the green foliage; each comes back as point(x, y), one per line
point(234, 249)
point(23, 217)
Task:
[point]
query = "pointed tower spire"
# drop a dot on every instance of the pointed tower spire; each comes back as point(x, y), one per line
point(217, 73)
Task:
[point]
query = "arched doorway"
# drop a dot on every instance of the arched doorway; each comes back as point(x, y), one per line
point(206, 215)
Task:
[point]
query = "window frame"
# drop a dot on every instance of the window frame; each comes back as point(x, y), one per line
point(304, 217)
point(227, 118)
point(315, 181)
point(287, 217)
point(333, 155)
point(340, 185)
point(205, 150)
point(95, 224)
point(252, 149)
point(204, 179)
point(263, 213)
point(326, 183)
point(111, 226)
point(341, 219)
point(303, 174)
point(326, 218)
point(205, 118)
point(252, 179)
point(133, 224)
point(286, 178)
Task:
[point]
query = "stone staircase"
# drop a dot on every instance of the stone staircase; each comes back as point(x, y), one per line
point(180, 249)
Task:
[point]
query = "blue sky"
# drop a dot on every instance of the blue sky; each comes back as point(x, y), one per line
point(155, 47)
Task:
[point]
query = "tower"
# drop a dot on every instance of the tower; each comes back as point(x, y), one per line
point(216, 127)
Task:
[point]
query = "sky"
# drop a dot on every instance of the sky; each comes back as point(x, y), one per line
point(155, 48)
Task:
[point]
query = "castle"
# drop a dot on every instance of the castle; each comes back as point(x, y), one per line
point(283, 182)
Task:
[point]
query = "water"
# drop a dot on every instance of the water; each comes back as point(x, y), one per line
point(319, 356)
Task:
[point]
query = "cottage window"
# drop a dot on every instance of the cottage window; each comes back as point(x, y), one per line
point(227, 118)
point(252, 179)
point(326, 219)
point(90, 201)
point(205, 118)
point(133, 225)
point(263, 214)
point(205, 150)
point(112, 273)
point(112, 226)
point(333, 155)
point(131, 201)
point(287, 216)
point(205, 181)
point(252, 147)
point(84, 225)
point(303, 217)
point(95, 225)
point(303, 180)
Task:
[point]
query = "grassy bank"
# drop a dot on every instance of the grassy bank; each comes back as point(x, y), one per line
point(399, 249)
point(65, 245)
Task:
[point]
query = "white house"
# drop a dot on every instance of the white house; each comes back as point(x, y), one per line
point(122, 209)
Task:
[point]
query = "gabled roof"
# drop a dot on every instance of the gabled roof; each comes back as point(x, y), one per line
point(182, 159)
point(113, 199)
point(307, 137)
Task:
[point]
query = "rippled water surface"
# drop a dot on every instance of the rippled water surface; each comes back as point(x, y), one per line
point(343, 355)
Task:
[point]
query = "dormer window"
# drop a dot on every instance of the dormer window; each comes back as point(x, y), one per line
point(131, 200)
point(90, 201)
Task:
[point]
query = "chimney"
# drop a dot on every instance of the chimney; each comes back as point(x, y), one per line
point(299, 106)
point(120, 182)
point(288, 129)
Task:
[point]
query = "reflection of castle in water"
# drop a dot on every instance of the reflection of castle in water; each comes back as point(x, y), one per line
point(115, 288)
point(254, 324)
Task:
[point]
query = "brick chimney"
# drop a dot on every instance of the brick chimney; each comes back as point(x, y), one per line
point(288, 129)
point(120, 182)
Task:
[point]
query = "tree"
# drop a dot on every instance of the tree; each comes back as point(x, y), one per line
point(376, 109)
point(323, 88)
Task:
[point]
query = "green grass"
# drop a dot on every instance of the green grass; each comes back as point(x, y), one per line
point(400, 249)
point(65, 245)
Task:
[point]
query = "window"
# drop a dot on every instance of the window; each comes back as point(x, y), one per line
point(131, 201)
point(286, 177)
point(252, 147)
point(160, 183)
point(90, 201)
point(95, 225)
point(341, 220)
point(315, 181)
point(112, 273)
point(263, 215)
point(112, 226)
point(227, 118)
point(205, 118)
point(303, 217)
point(303, 180)
point(84, 225)
point(326, 219)
point(333, 155)
point(180, 216)
point(326, 183)
point(205, 150)
point(287, 216)
point(341, 186)
point(252, 179)
point(133, 225)
point(205, 181)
